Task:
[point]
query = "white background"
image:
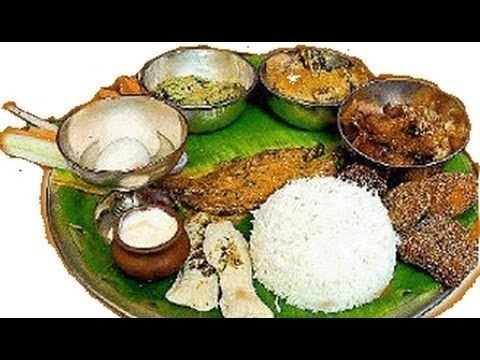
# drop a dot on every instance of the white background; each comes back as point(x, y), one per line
point(51, 78)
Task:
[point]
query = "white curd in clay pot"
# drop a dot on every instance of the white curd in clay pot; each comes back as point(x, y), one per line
point(147, 228)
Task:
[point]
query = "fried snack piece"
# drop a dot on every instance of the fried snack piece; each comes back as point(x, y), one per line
point(364, 176)
point(123, 86)
point(418, 174)
point(407, 204)
point(243, 184)
point(442, 247)
point(474, 232)
point(452, 193)
point(196, 285)
point(227, 251)
point(447, 194)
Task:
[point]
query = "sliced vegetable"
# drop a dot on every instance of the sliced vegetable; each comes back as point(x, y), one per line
point(35, 145)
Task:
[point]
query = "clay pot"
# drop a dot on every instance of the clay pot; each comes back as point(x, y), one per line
point(151, 263)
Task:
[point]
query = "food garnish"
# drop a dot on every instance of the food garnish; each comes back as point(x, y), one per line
point(315, 75)
point(227, 251)
point(196, 285)
point(192, 90)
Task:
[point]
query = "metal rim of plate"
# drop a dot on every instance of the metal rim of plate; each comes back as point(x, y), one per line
point(441, 303)
point(53, 239)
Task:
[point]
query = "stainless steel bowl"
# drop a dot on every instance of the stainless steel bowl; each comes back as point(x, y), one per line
point(302, 114)
point(207, 63)
point(85, 135)
point(396, 90)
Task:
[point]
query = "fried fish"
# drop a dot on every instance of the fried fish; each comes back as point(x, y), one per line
point(244, 184)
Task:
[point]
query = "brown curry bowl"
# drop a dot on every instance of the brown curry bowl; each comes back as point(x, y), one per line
point(398, 90)
point(151, 263)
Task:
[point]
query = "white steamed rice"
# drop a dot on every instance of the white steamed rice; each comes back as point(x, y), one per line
point(323, 244)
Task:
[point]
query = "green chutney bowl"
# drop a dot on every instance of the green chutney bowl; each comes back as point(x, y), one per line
point(207, 63)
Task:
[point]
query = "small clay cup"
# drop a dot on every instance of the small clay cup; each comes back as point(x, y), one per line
point(151, 263)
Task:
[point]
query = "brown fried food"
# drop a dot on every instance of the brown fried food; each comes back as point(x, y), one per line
point(407, 204)
point(446, 194)
point(441, 246)
point(474, 232)
point(452, 193)
point(366, 177)
point(417, 174)
point(123, 86)
point(244, 184)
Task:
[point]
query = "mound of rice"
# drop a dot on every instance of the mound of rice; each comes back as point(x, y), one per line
point(323, 244)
